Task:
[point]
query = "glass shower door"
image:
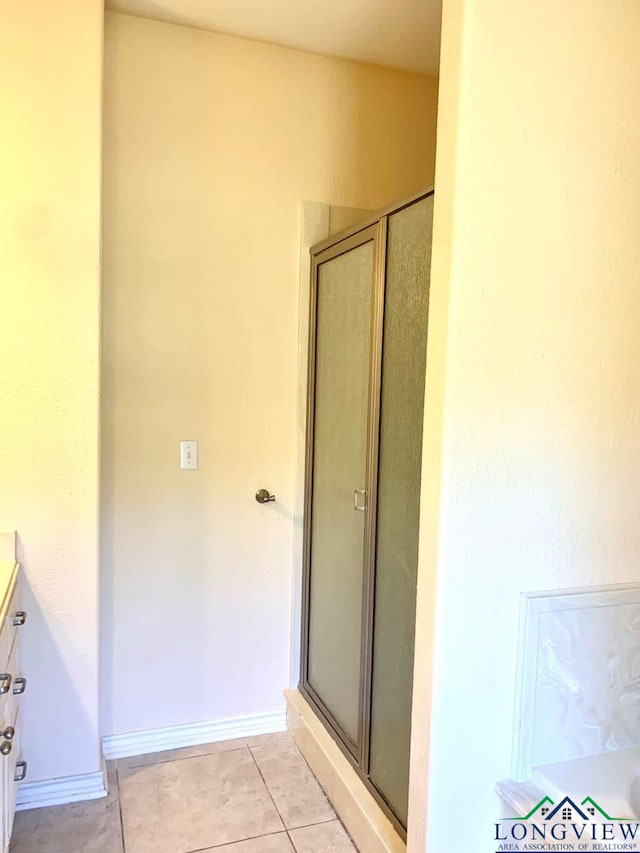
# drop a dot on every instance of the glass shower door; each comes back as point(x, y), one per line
point(367, 357)
point(343, 299)
point(408, 262)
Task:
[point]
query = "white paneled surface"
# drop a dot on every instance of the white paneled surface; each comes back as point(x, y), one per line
point(578, 689)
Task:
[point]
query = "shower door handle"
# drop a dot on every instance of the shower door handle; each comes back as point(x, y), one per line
point(357, 504)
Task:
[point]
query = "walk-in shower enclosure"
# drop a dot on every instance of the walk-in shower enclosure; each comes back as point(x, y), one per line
point(367, 358)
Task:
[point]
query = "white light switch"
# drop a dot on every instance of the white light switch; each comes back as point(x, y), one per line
point(188, 455)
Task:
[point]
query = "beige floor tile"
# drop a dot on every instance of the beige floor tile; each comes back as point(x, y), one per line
point(185, 752)
point(265, 844)
point(295, 791)
point(90, 827)
point(277, 739)
point(324, 838)
point(195, 803)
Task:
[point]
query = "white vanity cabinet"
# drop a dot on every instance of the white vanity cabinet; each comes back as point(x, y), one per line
point(12, 685)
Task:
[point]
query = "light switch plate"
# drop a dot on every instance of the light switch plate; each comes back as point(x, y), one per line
point(188, 455)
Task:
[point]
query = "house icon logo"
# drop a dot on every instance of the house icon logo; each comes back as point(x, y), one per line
point(568, 810)
point(582, 824)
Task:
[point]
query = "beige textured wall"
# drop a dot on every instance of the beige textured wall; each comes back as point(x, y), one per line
point(433, 437)
point(537, 261)
point(211, 144)
point(50, 103)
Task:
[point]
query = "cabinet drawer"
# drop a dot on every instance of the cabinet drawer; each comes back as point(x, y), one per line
point(8, 769)
point(17, 686)
point(10, 747)
point(11, 625)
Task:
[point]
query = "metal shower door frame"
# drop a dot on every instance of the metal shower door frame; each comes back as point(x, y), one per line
point(372, 229)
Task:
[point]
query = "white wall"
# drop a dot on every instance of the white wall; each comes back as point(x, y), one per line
point(211, 144)
point(537, 261)
point(50, 103)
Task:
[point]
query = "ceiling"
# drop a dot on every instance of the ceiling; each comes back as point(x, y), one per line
point(397, 33)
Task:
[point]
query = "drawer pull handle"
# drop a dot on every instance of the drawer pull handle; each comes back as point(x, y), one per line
point(5, 747)
point(19, 618)
point(357, 494)
point(8, 733)
point(21, 771)
point(19, 686)
point(5, 682)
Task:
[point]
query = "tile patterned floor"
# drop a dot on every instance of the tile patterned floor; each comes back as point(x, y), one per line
point(253, 795)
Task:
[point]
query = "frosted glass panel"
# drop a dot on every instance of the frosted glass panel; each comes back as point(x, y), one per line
point(400, 455)
point(339, 467)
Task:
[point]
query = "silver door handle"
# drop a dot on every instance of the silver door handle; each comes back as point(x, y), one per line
point(19, 618)
point(5, 682)
point(263, 496)
point(19, 686)
point(359, 493)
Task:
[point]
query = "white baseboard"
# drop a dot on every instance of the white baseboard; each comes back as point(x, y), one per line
point(194, 734)
point(91, 786)
point(58, 792)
